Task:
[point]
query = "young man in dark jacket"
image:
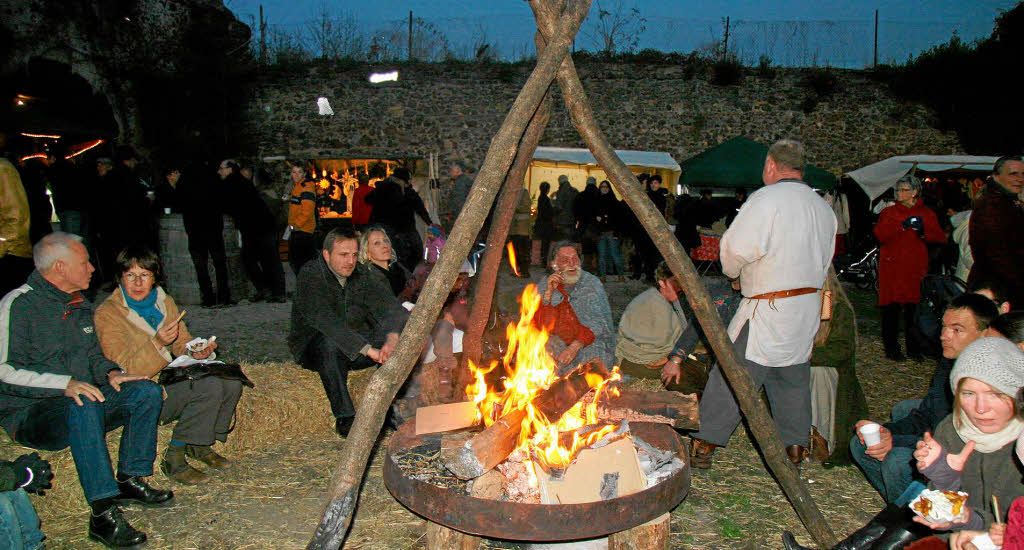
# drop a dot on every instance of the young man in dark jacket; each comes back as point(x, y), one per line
point(889, 465)
point(342, 319)
point(58, 390)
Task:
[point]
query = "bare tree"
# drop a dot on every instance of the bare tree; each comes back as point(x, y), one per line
point(286, 46)
point(617, 27)
point(335, 35)
point(428, 42)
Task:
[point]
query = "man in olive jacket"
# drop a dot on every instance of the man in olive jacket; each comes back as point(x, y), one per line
point(342, 319)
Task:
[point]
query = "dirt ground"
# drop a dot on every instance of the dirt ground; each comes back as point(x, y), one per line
point(271, 497)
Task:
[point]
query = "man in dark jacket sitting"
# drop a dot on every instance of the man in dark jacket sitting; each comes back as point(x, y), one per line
point(342, 319)
point(889, 465)
point(58, 390)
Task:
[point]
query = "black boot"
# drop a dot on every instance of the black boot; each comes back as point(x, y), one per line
point(110, 528)
point(891, 517)
point(891, 331)
point(134, 488)
point(901, 533)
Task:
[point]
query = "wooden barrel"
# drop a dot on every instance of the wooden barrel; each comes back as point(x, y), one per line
point(179, 272)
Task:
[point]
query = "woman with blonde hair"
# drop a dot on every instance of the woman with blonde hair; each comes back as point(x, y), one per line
point(376, 252)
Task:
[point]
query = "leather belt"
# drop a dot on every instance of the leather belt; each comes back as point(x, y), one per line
point(771, 296)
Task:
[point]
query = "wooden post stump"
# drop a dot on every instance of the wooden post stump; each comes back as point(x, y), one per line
point(440, 537)
point(652, 535)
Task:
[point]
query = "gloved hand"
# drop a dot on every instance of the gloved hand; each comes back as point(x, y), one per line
point(39, 478)
point(915, 223)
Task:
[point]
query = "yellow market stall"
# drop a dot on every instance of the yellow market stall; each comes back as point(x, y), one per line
point(578, 164)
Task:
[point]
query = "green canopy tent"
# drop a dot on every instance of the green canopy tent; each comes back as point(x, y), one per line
point(738, 163)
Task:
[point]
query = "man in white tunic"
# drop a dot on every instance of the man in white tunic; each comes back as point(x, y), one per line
point(777, 252)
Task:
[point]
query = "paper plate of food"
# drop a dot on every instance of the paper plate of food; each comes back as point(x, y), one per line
point(939, 506)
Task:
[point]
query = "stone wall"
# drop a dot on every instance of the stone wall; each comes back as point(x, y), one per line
point(455, 109)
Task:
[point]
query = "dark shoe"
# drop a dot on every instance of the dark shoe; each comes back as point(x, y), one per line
point(113, 531)
point(207, 303)
point(278, 299)
point(702, 455)
point(894, 356)
point(207, 455)
point(133, 488)
point(176, 468)
point(789, 542)
point(261, 296)
point(796, 453)
point(343, 425)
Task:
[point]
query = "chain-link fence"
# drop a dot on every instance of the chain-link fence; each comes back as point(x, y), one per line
point(509, 37)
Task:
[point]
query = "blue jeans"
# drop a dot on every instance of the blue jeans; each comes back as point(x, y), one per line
point(19, 524)
point(609, 256)
point(891, 476)
point(55, 423)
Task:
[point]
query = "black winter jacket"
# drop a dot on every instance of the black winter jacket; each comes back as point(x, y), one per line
point(349, 317)
point(936, 405)
point(50, 340)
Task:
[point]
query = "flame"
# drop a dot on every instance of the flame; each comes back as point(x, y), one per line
point(512, 258)
point(529, 370)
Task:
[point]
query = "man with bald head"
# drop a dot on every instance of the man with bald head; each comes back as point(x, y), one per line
point(777, 252)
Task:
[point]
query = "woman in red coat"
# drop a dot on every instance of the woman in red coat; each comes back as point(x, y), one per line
point(903, 229)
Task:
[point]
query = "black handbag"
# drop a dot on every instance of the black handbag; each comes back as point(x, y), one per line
point(173, 375)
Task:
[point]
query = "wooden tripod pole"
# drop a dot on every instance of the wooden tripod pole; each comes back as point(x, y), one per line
point(761, 423)
point(384, 384)
point(487, 275)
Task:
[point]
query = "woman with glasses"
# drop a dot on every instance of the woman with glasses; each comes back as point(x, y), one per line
point(904, 230)
point(140, 328)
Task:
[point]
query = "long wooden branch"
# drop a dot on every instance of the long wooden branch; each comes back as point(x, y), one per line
point(487, 275)
point(762, 427)
point(384, 384)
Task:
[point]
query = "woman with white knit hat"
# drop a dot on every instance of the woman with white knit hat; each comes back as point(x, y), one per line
point(972, 450)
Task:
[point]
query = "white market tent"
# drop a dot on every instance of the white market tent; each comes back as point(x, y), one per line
point(877, 178)
point(578, 164)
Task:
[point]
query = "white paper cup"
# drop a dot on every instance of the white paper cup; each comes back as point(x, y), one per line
point(870, 433)
point(167, 211)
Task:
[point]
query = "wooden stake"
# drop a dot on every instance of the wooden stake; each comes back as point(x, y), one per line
point(487, 276)
point(384, 384)
point(762, 426)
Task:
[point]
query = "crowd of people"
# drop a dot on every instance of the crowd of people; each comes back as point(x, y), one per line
point(790, 321)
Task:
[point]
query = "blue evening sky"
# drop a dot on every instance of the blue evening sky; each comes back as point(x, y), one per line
point(839, 32)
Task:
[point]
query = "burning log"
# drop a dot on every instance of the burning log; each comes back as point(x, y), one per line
point(663, 407)
point(485, 450)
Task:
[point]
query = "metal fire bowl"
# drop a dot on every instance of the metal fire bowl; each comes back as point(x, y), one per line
point(539, 522)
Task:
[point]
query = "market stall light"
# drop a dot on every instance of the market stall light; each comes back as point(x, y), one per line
point(377, 78)
point(43, 136)
point(33, 156)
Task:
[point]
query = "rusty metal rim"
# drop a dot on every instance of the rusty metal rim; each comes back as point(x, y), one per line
point(539, 522)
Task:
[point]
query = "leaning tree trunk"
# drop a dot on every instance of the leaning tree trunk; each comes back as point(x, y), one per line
point(384, 384)
point(762, 426)
point(487, 276)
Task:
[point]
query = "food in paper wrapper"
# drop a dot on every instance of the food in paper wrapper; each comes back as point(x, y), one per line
point(197, 344)
point(939, 506)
